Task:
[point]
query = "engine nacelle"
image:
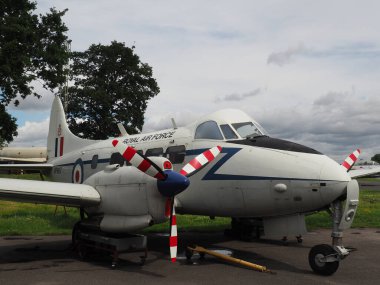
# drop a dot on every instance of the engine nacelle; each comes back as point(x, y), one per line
point(130, 199)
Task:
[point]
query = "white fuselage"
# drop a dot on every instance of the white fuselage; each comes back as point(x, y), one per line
point(243, 181)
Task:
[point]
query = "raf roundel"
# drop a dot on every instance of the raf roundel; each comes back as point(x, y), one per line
point(77, 174)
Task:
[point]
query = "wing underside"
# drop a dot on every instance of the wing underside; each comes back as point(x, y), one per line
point(44, 192)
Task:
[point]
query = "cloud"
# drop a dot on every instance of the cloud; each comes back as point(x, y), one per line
point(331, 98)
point(286, 57)
point(32, 134)
point(336, 124)
point(238, 97)
point(32, 103)
point(160, 122)
point(198, 55)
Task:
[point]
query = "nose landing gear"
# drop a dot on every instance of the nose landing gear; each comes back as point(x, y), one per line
point(323, 258)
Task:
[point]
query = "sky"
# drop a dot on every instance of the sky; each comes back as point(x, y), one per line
point(307, 71)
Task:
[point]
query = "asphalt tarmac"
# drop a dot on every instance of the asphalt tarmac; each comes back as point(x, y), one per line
point(49, 260)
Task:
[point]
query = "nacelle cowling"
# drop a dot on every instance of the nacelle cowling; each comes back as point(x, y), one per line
point(130, 199)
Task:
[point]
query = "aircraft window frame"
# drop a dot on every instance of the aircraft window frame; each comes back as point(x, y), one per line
point(158, 151)
point(176, 154)
point(94, 161)
point(237, 127)
point(202, 133)
point(227, 128)
point(117, 158)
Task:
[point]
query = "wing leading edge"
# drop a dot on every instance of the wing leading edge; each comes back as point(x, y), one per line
point(44, 192)
point(363, 172)
point(26, 166)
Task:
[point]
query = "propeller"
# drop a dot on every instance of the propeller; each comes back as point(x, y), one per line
point(169, 183)
point(350, 160)
point(192, 167)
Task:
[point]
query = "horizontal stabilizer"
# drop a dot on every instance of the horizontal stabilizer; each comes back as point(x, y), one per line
point(44, 192)
point(364, 172)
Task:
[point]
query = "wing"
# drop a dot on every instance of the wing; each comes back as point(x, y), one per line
point(364, 172)
point(36, 159)
point(44, 192)
point(31, 166)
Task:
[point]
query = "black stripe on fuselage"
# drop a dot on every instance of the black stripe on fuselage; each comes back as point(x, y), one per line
point(268, 142)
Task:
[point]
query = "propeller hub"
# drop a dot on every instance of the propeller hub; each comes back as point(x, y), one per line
point(174, 184)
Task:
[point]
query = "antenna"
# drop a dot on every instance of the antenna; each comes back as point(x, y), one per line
point(174, 124)
point(66, 88)
point(122, 130)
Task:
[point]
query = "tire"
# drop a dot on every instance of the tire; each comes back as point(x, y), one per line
point(322, 268)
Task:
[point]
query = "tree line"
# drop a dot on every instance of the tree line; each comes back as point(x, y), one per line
point(109, 83)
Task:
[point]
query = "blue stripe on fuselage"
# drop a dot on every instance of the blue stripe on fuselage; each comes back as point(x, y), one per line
point(211, 175)
point(230, 152)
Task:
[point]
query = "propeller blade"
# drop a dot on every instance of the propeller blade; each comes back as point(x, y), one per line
point(139, 161)
point(349, 162)
point(200, 161)
point(173, 241)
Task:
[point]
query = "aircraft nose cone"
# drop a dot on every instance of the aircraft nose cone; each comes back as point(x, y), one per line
point(334, 179)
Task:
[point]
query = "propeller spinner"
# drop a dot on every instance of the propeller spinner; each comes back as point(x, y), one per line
point(169, 183)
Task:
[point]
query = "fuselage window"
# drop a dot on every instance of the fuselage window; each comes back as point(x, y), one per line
point(228, 132)
point(208, 130)
point(117, 158)
point(155, 152)
point(176, 154)
point(94, 161)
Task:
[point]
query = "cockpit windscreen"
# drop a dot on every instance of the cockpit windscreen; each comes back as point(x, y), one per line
point(248, 129)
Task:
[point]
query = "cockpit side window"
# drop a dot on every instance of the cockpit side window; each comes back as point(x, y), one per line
point(228, 132)
point(208, 130)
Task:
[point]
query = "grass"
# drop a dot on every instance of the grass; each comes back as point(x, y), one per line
point(30, 219)
point(368, 214)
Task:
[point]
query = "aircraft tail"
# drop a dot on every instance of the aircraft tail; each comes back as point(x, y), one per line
point(60, 139)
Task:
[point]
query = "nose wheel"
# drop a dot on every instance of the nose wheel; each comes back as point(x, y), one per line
point(323, 259)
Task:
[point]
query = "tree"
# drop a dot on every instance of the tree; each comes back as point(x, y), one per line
point(8, 126)
point(111, 85)
point(32, 47)
point(376, 158)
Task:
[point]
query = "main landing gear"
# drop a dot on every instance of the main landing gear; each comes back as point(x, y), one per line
point(323, 258)
point(245, 229)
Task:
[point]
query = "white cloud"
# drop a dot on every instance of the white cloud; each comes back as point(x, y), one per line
point(32, 134)
point(32, 103)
